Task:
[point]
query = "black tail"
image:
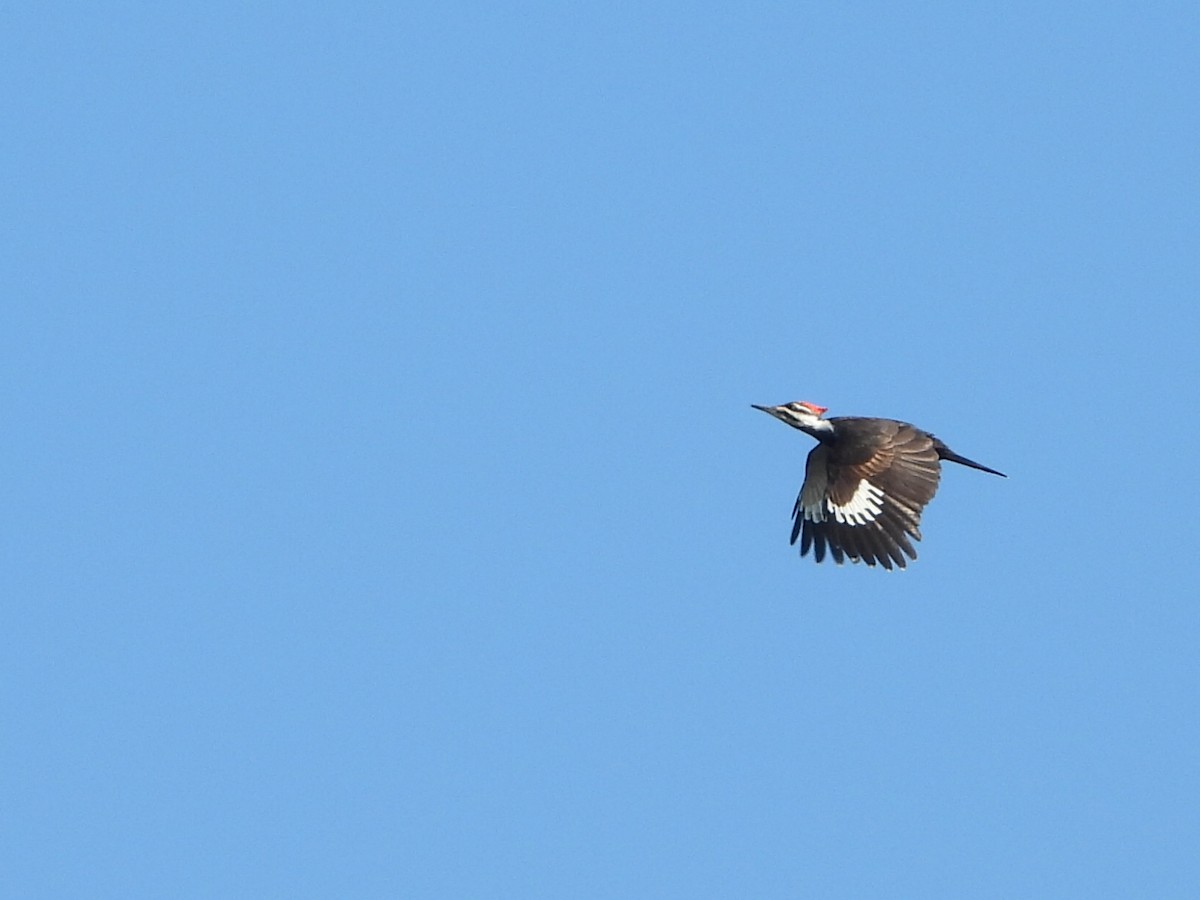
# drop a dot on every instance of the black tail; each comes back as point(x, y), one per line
point(945, 452)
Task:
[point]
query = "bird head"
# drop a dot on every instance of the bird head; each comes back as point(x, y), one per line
point(799, 414)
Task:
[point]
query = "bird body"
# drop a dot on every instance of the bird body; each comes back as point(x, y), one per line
point(865, 485)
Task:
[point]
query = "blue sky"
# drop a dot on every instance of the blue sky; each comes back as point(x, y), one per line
point(385, 511)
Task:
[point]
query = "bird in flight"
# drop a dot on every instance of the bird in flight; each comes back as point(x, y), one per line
point(865, 485)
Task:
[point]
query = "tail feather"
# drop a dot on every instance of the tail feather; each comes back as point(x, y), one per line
point(945, 452)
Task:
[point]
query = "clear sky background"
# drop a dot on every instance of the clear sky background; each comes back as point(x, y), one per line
point(385, 515)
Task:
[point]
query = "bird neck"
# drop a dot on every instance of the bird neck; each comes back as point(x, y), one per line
point(821, 429)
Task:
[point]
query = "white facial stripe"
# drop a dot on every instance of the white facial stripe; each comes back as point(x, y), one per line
point(863, 507)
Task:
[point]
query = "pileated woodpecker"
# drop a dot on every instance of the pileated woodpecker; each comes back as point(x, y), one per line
point(865, 485)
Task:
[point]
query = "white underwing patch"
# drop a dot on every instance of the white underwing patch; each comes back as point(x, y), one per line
point(862, 508)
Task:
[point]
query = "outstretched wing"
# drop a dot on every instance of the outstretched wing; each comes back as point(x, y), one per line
point(863, 501)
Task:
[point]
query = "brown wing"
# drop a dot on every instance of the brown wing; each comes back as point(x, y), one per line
point(863, 500)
